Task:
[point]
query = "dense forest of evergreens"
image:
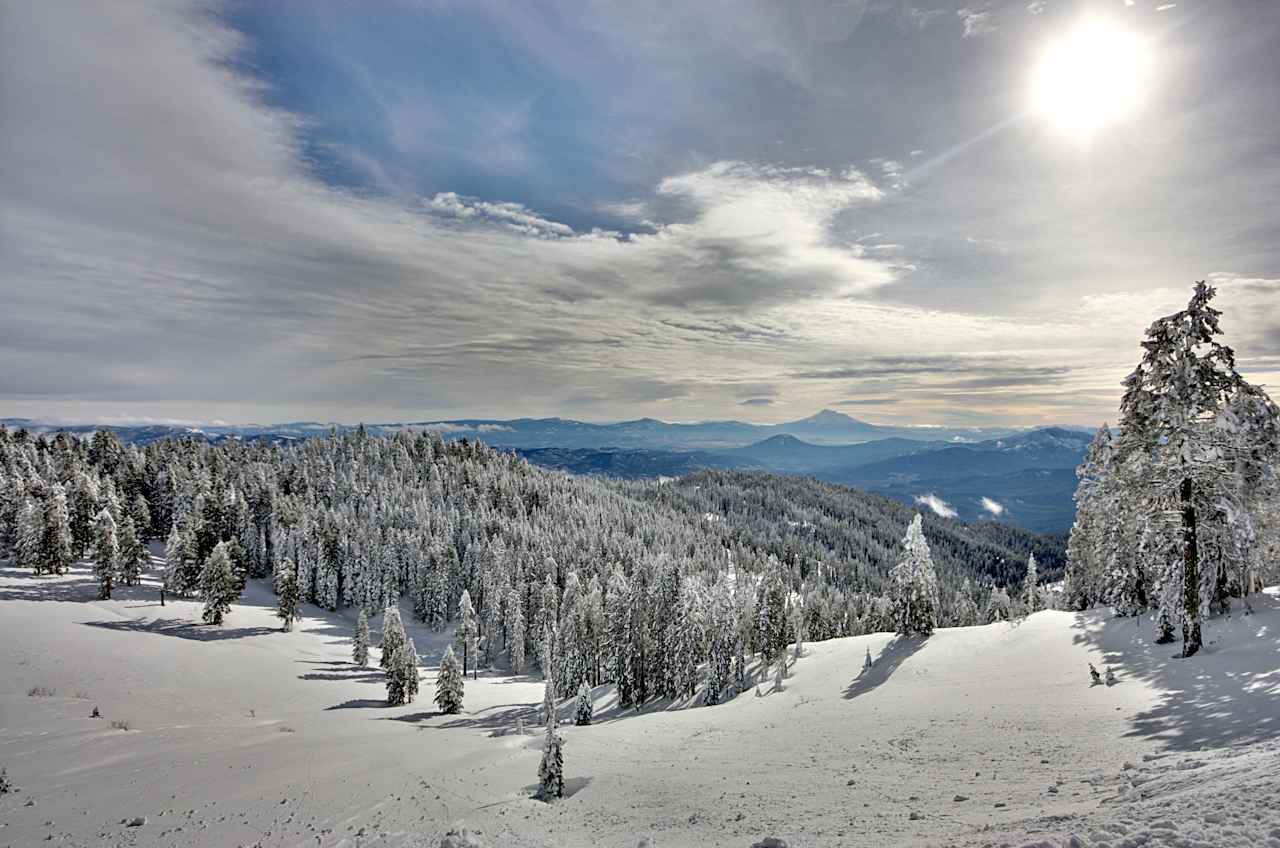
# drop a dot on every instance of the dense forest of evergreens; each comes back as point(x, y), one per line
point(636, 583)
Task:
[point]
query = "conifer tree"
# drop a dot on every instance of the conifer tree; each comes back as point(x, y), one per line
point(287, 601)
point(133, 553)
point(551, 768)
point(1031, 600)
point(55, 547)
point(450, 682)
point(914, 585)
point(30, 533)
point(1199, 442)
point(466, 633)
point(402, 674)
point(360, 644)
point(106, 553)
point(411, 670)
point(175, 562)
point(395, 680)
point(515, 630)
point(621, 647)
point(392, 635)
point(218, 587)
point(997, 605)
point(585, 706)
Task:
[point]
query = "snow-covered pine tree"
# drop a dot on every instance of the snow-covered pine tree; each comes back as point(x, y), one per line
point(55, 546)
point(467, 632)
point(28, 537)
point(913, 585)
point(106, 553)
point(175, 562)
point(1031, 597)
point(133, 553)
point(218, 588)
point(449, 683)
point(360, 644)
point(997, 605)
point(771, 613)
point(409, 671)
point(515, 629)
point(287, 600)
point(396, 681)
point(551, 768)
point(392, 635)
point(1088, 559)
point(1198, 456)
point(585, 706)
point(621, 648)
point(965, 609)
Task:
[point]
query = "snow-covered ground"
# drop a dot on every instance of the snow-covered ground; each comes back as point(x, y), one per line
point(244, 735)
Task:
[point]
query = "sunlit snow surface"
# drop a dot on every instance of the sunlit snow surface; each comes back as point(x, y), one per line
point(243, 735)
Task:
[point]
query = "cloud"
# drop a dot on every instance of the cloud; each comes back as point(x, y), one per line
point(938, 505)
point(872, 401)
point(986, 372)
point(680, 231)
point(977, 22)
point(994, 507)
point(512, 215)
point(757, 401)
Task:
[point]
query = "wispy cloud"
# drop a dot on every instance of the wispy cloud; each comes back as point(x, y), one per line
point(994, 507)
point(938, 505)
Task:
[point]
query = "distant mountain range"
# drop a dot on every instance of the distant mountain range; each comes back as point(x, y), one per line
point(1020, 477)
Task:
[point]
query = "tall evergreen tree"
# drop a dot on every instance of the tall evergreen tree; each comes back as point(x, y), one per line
point(287, 601)
point(133, 553)
point(106, 553)
point(218, 587)
point(467, 632)
point(515, 630)
point(450, 682)
point(585, 706)
point(1031, 598)
point(1196, 440)
point(392, 635)
point(551, 767)
point(55, 546)
point(914, 585)
point(360, 644)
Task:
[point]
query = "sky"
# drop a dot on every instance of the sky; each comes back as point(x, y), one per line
point(422, 209)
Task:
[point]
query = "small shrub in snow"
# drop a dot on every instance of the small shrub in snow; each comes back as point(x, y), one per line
point(5, 786)
point(460, 837)
point(120, 723)
point(40, 692)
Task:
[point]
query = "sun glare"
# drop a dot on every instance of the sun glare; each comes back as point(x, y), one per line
point(1092, 76)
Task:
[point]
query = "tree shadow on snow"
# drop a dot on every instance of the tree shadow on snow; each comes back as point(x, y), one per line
point(1226, 695)
point(572, 786)
point(499, 720)
point(182, 629)
point(894, 654)
point(358, 704)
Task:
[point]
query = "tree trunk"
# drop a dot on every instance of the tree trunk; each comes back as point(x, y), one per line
point(1190, 574)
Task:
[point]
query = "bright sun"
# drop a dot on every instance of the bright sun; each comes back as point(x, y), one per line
point(1091, 77)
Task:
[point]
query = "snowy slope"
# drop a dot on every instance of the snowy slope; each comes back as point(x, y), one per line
point(977, 736)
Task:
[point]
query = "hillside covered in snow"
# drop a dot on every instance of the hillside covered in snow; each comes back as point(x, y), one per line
point(988, 735)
